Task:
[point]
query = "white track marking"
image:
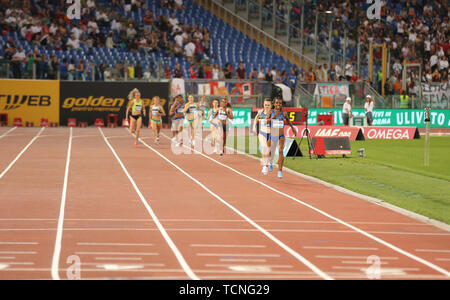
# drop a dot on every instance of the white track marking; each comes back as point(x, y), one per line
point(395, 248)
point(352, 257)
point(21, 152)
point(118, 258)
point(116, 253)
point(360, 262)
point(19, 243)
point(6, 133)
point(115, 244)
point(340, 248)
point(433, 250)
point(262, 230)
point(227, 246)
point(18, 252)
point(241, 265)
point(238, 254)
point(242, 260)
point(163, 231)
point(59, 232)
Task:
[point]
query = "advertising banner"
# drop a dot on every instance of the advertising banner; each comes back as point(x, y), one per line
point(328, 91)
point(440, 118)
point(242, 118)
point(436, 95)
point(30, 100)
point(391, 133)
point(353, 133)
point(87, 101)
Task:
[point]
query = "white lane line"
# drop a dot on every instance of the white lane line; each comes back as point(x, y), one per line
point(19, 263)
point(163, 231)
point(6, 133)
point(18, 252)
point(339, 248)
point(115, 244)
point(242, 265)
point(242, 215)
point(227, 246)
point(389, 245)
point(97, 264)
point(238, 254)
point(242, 260)
point(361, 262)
point(118, 258)
point(352, 257)
point(3, 266)
point(116, 253)
point(21, 152)
point(19, 243)
point(59, 232)
point(433, 250)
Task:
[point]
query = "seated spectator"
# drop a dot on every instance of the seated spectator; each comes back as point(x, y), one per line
point(240, 71)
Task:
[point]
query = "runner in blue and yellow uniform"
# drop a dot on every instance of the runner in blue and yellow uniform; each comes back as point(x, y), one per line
point(277, 119)
point(223, 114)
point(136, 104)
point(263, 119)
point(176, 113)
point(157, 111)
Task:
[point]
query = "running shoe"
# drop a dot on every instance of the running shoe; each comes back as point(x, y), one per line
point(136, 145)
point(270, 168)
point(280, 174)
point(264, 170)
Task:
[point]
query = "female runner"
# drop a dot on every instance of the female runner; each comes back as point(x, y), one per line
point(224, 113)
point(263, 119)
point(157, 111)
point(190, 109)
point(177, 114)
point(214, 123)
point(200, 115)
point(278, 117)
point(136, 104)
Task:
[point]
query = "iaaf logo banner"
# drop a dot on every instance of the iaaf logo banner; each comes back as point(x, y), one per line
point(16, 101)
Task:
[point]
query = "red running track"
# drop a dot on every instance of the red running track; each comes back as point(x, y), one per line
point(84, 203)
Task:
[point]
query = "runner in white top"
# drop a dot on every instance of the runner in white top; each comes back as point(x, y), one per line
point(214, 122)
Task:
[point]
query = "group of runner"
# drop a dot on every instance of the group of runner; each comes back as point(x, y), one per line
point(271, 120)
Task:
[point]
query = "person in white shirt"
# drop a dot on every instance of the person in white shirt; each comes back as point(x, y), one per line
point(76, 32)
point(116, 25)
point(338, 70)
point(347, 111)
point(434, 61)
point(348, 71)
point(189, 50)
point(73, 42)
point(173, 20)
point(179, 40)
point(19, 55)
point(443, 63)
point(368, 108)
